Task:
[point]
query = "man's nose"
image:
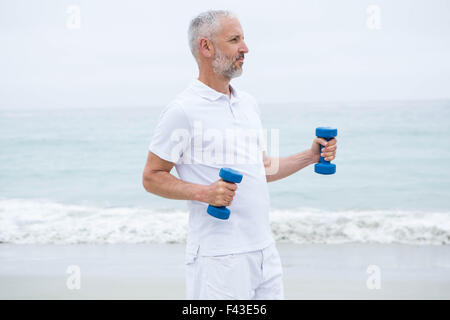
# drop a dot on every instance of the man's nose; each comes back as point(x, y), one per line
point(243, 48)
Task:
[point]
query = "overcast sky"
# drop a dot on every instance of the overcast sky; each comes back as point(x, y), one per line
point(135, 53)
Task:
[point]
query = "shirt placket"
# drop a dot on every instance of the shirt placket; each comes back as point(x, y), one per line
point(230, 106)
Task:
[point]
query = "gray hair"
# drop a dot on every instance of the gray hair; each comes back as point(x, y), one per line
point(205, 25)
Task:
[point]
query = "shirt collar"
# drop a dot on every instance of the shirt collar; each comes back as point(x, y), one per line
point(210, 94)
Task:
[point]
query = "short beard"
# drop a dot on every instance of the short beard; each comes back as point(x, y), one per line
point(225, 66)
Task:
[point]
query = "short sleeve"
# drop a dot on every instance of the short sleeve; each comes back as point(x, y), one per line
point(171, 137)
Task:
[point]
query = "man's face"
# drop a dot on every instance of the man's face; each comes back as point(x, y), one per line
point(229, 49)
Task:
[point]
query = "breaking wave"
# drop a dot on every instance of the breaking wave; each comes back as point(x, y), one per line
point(46, 222)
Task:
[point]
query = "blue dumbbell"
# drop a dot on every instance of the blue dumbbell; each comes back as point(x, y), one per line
point(228, 175)
point(325, 167)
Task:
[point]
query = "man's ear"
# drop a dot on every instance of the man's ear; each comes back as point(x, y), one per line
point(206, 48)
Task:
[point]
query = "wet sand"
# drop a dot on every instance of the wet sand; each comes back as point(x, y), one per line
point(156, 271)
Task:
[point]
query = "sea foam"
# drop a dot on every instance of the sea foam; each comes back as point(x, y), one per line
point(24, 221)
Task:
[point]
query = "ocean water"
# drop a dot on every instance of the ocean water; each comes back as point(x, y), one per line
point(75, 175)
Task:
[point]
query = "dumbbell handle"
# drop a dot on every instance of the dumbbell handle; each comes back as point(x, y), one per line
point(322, 159)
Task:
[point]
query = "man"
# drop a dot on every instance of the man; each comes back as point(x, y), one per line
point(234, 258)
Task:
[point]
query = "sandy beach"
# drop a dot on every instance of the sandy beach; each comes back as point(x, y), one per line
point(152, 271)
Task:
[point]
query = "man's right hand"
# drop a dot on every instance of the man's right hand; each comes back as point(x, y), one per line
point(220, 193)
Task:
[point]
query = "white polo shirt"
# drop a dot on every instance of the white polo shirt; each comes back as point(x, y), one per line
point(201, 131)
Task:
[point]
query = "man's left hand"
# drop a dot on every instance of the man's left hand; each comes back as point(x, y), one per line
point(328, 152)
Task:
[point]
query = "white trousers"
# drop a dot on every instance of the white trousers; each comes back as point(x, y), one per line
point(255, 275)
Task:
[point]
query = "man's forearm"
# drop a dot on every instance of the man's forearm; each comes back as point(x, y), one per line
point(279, 168)
point(166, 185)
